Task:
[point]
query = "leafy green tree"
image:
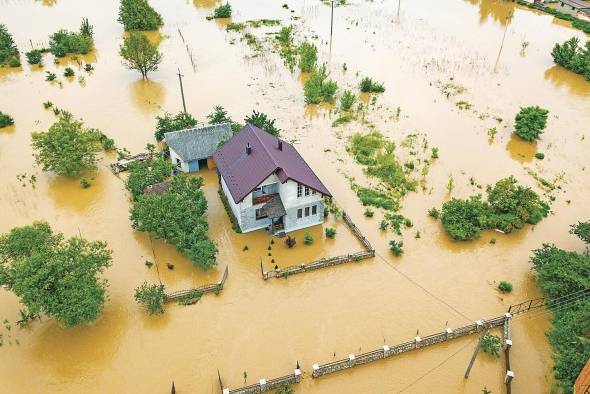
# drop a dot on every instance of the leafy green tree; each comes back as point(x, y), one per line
point(168, 122)
point(146, 173)
point(138, 15)
point(178, 216)
point(223, 11)
point(220, 115)
point(308, 56)
point(54, 276)
point(140, 54)
point(464, 219)
point(5, 120)
point(530, 122)
point(9, 55)
point(152, 297)
point(34, 56)
point(573, 56)
point(67, 148)
point(263, 122)
point(582, 230)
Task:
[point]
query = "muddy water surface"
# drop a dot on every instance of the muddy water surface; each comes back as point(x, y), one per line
point(260, 327)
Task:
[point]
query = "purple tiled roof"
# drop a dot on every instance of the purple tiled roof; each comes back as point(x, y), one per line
point(243, 172)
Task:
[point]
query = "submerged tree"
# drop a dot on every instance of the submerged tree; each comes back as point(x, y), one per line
point(262, 121)
point(138, 15)
point(67, 148)
point(168, 122)
point(152, 297)
point(140, 54)
point(9, 55)
point(54, 276)
point(145, 173)
point(530, 122)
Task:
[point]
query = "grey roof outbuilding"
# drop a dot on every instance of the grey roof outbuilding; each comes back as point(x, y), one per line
point(199, 142)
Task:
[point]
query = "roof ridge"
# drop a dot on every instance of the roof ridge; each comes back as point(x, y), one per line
point(255, 132)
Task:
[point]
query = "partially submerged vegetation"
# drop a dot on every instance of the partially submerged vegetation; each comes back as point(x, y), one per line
point(573, 56)
point(318, 88)
point(9, 54)
point(564, 276)
point(222, 11)
point(146, 173)
point(530, 122)
point(168, 122)
point(63, 42)
point(54, 276)
point(509, 207)
point(178, 216)
point(140, 54)
point(5, 120)
point(367, 85)
point(138, 15)
point(152, 297)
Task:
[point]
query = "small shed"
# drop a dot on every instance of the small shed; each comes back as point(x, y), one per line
point(578, 8)
point(191, 149)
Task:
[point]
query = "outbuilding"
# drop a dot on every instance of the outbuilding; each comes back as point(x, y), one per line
point(191, 149)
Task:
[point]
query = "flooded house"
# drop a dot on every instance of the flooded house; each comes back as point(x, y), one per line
point(191, 149)
point(268, 184)
point(578, 8)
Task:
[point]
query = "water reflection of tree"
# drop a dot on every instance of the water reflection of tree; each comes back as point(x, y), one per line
point(562, 78)
point(498, 10)
point(521, 150)
point(205, 3)
point(148, 95)
point(47, 3)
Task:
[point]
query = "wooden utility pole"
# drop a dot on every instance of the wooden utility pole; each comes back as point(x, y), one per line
point(508, 21)
point(181, 90)
point(219, 377)
point(332, 21)
point(475, 351)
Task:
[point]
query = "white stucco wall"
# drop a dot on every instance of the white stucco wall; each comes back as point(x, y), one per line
point(234, 207)
point(174, 156)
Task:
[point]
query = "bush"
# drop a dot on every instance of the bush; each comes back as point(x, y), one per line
point(330, 232)
point(318, 88)
point(223, 11)
point(573, 56)
point(88, 67)
point(367, 85)
point(53, 275)
point(369, 213)
point(9, 55)
point(540, 155)
point(85, 183)
point(178, 216)
point(140, 54)
point(34, 56)
point(308, 56)
point(490, 344)
point(347, 100)
point(64, 42)
point(582, 230)
point(433, 213)
point(5, 120)
point(145, 173)
point(530, 122)
point(464, 219)
point(307, 239)
point(68, 72)
point(263, 122)
point(169, 122)
point(375, 198)
point(49, 76)
point(396, 247)
point(138, 15)
point(152, 297)
point(505, 287)
point(67, 148)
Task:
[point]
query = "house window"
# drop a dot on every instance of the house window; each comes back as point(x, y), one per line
point(299, 213)
point(178, 163)
point(306, 191)
point(306, 211)
point(299, 190)
point(313, 191)
point(314, 210)
point(261, 214)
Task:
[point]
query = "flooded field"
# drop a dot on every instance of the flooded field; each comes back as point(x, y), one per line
point(265, 327)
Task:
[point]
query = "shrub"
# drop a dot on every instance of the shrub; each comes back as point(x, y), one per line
point(347, 100)
point(573, 56)
point(464, 219)
point(223, 11)
point(138, 15)
point(540, 155)
point(53, 275)
point(68, 72)
point(34, 56)
point(49, 76)
point(9, 55)
point(85, 183)
point(308, 56)
point(67, 148)
point(88, 67)
point(169, 122)
point(582, 230)
point(330, 232)
point(5, 120)
point(396, 247)
point(369, 213)
point(505, 287)
point(263, 122)
point(375, 198)
point(367, 85)
point(490, 344)
point(152, 297)
point(318, 88)
point(433, 213)
point(63, 42)
point(219, 116)
point(178, 216)
point(434, 154)
point(307, 239)
point(530, 122)
point(145, 173)
point(47, 104)
point(140, 54)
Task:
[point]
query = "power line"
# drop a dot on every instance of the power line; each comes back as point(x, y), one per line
point(423, 288)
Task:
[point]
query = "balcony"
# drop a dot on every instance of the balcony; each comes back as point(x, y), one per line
point(262, 198)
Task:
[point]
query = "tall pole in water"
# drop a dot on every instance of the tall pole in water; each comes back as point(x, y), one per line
point(181, 90)
point(508, 21)
point(332, 20)
point(399, 5)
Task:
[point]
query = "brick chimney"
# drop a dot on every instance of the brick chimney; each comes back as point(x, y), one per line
point(248, 148)
point(280, 145)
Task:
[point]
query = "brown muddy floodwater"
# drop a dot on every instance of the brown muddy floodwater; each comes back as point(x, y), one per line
point(260, 327)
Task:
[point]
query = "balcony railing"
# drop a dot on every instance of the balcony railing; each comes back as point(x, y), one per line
point(263, 198)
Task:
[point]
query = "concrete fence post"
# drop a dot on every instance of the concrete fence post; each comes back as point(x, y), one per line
point(351, 359)
point(386, 351)
point(297, 374)
point(449, 333)
point(262, 384)
point(509, 376)
point(508, 344)
point(479, 325)
point(316, 370)
point(225, 391)
point(417, 341)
